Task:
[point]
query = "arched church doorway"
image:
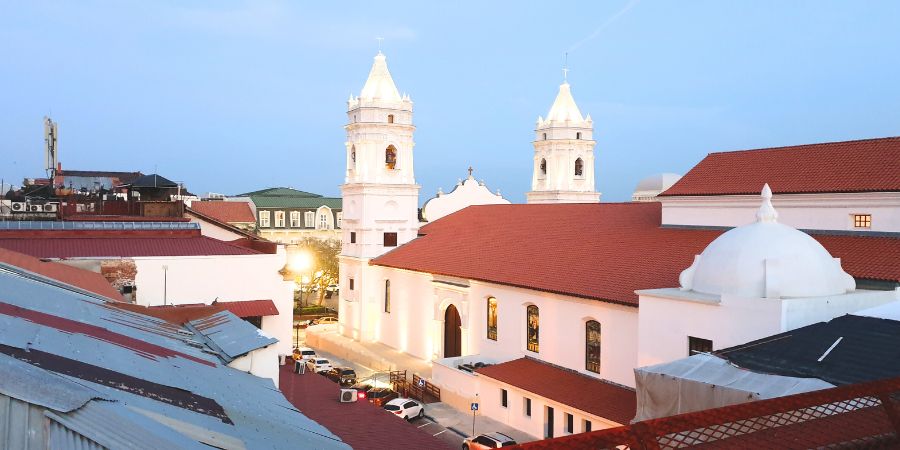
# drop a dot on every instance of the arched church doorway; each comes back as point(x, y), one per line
point(452, 333)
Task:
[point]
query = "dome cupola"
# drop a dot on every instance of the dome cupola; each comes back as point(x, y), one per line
point(766, 259)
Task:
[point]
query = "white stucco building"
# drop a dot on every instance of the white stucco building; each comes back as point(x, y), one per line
point(467, 192)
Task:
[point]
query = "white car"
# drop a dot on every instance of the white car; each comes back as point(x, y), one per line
point(406, 408)
point(327, 321)
point(318, 365)
point(307, 353)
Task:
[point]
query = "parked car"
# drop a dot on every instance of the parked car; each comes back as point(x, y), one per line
point(488, 440)
point(318, 365)
point(406, 408)
point(344, 376)
point(380, 396)
point(325, 320)
point(307, 353)
point(362, 387)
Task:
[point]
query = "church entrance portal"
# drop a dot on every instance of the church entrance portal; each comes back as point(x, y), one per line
point(452, 333)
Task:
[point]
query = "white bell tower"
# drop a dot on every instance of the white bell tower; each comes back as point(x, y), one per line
point(563, 154)
point(380, 194)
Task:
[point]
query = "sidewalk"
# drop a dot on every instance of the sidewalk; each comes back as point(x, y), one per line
point(380, 357)
point(461, 423)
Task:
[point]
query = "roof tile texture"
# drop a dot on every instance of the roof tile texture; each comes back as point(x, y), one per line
point(123, 247)
point(602, 251)
point(73, 276)
point(588, 394)
point(228, 212)
point(871, 165)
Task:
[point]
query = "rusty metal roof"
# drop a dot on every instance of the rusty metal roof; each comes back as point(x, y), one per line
point(229, 334)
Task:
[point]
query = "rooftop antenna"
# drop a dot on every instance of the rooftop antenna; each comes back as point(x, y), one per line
point(50, 152)
point(566, 68)
point(379, 39)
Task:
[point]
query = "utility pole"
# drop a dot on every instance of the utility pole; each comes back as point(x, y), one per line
point(165, 269)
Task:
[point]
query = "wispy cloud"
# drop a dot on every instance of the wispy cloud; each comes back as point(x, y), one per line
point(604, 25)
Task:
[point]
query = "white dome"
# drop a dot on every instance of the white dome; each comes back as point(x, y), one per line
point(648, 188)
point(766, 259)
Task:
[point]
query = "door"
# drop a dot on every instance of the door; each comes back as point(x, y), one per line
point(549, 425)
point(452, 333)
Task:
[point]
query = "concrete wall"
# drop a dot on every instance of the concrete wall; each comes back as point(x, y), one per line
point(262, 362)
point(803, 211)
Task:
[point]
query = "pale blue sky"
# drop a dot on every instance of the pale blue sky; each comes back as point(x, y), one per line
point(235, 96)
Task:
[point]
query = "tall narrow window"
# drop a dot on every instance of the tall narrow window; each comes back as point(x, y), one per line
point(390, 157)
point(351, 284)
point(353, 154)
point(295, 219)
point(264, 219)
point(323, 221)
point(592, 346)
point(352, 237)
point(527, 406)
point(387, 296)
point(862, 221)
point(339, 220)
point(532, 324)
point(492, 318)
point(545, 136)
point(390, 118)
point(279, 219)
point(390, 239)
point(579, 167)
point(570, 423)
point(699, 345)
point(543, 167)
point(504, 398)
point(309, 219)
point(578, 135)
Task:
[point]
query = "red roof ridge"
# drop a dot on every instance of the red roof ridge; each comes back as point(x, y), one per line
point(794, 146)
point(82, 279)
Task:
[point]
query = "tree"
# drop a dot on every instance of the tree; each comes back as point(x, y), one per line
point(324, 270)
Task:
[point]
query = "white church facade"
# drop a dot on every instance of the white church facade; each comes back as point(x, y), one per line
point(566, 292)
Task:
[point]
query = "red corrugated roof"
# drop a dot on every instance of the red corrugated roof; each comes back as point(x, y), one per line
point(49, 247)
point(591, 395)
point(602, 251)
point(250, 308)
point(228, 212)
point(83, 279)
point(871, 165)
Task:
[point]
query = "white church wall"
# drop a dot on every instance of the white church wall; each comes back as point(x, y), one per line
point(802, 211)
point(409, 324)
point(800, 312)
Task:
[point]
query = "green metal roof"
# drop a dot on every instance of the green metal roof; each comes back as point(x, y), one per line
point(279, 192)
point(296, 202)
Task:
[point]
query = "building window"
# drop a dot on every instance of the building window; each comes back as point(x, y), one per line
point(586, 426)
point(532, 323)
point(279, 219)
point(699, 345)
point(592, 346)
point(862, 221)
point(309, 219)
point(578, 135)
point(323, 221)
point(390, 157)
point(256, 321)
point(527, 406)
point(504, 398)
point(492, 318)
point(579, 167)
point(543, 167)
point(295, 219)
point(351, 284)
point(352, 237)
point(390, 118)
point(390, 239)
point(340, 219)
point(545, 136)
point(264, 219)
point(353, 154)
point(387, 296)
point(570, 423)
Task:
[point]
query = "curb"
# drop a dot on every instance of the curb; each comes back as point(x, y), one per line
point(460, 433)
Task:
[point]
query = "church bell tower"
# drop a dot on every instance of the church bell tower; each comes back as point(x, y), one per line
point(380, 194)
point(563, 154)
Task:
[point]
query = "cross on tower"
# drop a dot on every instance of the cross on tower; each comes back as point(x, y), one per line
point(379, 39)
point(566, 68)
point(470, 171)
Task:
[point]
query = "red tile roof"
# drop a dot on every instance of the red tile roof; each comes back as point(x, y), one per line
point(871, 165)
point(591, 395)
point(49, 247)
point(83, 279)
point(228, 212)
point(602, 251)
point(359, 424)
point(175, 315)
point(250, 308)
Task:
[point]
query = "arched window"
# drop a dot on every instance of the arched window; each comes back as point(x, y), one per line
point(387, 296)
point(390, 157)
point(492, 318)
point(578, 135)
point(532, 324)
point(543, 167)
point(390, 118)
point(545, 136)
point(592, 346)
point(353, 154)
point(579, 167)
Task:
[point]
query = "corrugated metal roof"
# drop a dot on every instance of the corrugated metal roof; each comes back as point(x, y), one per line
point(40, 387)
point(230, 334)
point(151, 366)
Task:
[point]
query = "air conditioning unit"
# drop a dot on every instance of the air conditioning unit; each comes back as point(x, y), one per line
point(35, 208)
point(348, 395)
point(51, 207)
point(18, 207)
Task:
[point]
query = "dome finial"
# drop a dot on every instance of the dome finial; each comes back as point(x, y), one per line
point(766, 211)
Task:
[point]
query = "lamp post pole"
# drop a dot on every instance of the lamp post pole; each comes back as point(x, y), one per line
point(165, 269)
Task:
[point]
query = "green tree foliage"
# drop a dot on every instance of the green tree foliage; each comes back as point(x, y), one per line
point(325, 267)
